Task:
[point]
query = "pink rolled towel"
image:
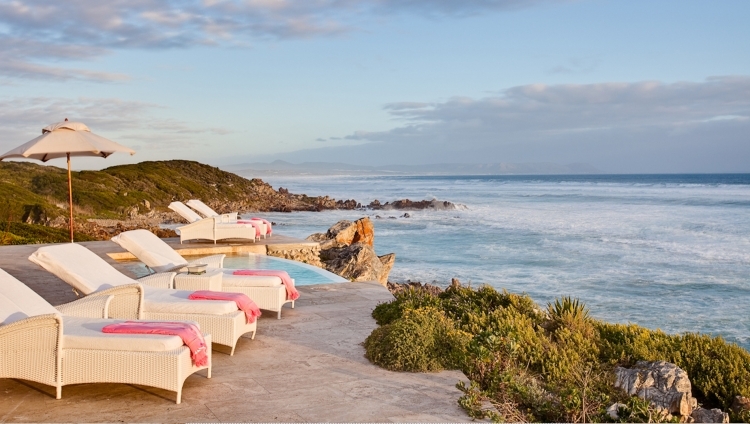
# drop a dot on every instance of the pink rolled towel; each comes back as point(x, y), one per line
point(255, 225)
point(244, 303)
point(291, 292)
point(269, 230)
point(190, 334)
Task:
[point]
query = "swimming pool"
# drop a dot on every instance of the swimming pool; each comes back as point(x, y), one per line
point(303, 274)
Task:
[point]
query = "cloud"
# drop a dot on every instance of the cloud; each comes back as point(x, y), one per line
point(646, 126)
point(35, 32)
point(125, 121)
point(575, 66)
point(30, 70)
point(457, 7)
point(564, 108)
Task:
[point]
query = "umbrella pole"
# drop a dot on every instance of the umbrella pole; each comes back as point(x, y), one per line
point(70, 199)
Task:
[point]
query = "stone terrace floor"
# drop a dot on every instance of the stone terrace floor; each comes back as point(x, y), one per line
point(307, 367)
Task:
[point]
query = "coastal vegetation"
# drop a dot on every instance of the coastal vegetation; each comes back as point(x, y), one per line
point(21, 233)
point(552, 365)
point(35, 195)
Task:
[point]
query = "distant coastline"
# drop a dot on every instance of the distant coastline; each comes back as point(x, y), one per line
point(282, 168)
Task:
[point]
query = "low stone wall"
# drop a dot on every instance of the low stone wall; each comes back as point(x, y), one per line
point(308, 253)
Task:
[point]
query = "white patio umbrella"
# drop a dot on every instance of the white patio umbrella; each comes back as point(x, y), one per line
point(66, 139)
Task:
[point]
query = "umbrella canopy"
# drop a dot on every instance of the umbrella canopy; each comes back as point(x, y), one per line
point(63, 140)
point(66, 138)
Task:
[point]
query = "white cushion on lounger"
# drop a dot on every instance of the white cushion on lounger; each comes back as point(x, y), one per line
point(233, 225)
point(150, 249)
point(202, 207)
point(230, 280)
point(176, 301)
point(87, 272)
point(18, 301)
point(185, 211)
point(86, 333)
point(79, 267)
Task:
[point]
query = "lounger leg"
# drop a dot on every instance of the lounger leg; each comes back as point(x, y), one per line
point(292, 304)
point(232, 352)
point(253, 338)
point(58, 392)
point(278, 316)
point(179, 395)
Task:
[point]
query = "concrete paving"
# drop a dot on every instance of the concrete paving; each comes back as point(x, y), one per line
point(307, 367)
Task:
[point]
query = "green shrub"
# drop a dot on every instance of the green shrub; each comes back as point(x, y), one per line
point(637, 410)
point(421, 340)
point(567, 312)
point(21, 233)
point(549, 366)
point(717, 370)
point(411, 298)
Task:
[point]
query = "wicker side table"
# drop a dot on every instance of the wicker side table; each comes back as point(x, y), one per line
point(211, 280)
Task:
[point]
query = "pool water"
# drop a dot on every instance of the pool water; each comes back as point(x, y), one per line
point(303, 274)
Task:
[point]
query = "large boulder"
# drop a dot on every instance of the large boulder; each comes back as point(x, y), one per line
point(346, 249)
point(358, 262)
point(345, 233)
point(664, 384)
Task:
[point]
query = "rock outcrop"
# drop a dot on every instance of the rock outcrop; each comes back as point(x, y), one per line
point(345, 233)
point(668, 389)
point(406, 204)
point(415, 285)
point(664, 384)
point(702, 415)
point(613, 410)
point(741, 404)
point(358, 262)
point(105, 229)
point(347, 249)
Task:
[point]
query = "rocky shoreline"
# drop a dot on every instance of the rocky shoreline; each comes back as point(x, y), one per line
point(133, 196)
point(151, 219)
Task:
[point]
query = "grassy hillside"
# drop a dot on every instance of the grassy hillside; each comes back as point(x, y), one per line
point(20, 233)
point(36, 193)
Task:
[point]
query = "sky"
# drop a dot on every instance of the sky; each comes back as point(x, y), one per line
point(625, 86)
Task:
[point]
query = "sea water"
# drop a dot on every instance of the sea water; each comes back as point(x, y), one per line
point(662, 251)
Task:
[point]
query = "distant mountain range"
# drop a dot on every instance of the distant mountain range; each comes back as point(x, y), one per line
point(280, 167)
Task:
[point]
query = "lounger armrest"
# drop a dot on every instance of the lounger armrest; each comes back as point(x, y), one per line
point(213, 261)
point(88, 307)
point(127, 302)
point(206, 222)
point(162, 280)
point(32, 332)
point(228, 217)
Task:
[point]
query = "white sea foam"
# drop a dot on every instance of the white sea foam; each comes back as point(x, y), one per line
point(657, 251)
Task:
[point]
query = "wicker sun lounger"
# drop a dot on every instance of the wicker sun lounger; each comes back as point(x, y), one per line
point(87, 273)
point(215, 228)
point(267, 292)
point(65, 345)
point(206, 210)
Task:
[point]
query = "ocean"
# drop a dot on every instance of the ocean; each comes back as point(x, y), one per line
point(662, 251)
